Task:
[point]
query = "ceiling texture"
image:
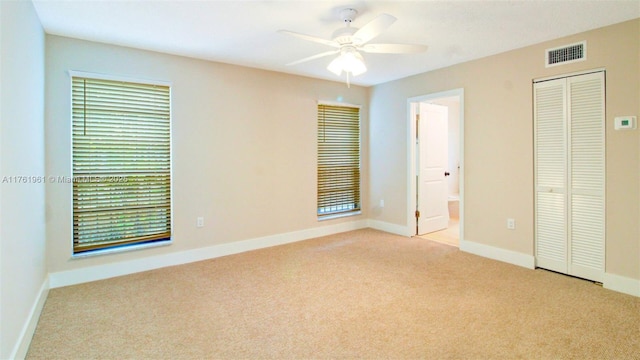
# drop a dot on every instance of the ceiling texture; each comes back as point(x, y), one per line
point(246, 32)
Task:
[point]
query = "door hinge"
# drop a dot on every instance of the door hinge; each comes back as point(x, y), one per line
point(417, 214)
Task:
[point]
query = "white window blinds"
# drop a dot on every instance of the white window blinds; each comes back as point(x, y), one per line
point(121, 164)
point(338, 159)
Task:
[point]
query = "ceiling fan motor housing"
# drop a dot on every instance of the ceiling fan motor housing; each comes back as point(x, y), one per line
point(344, 35)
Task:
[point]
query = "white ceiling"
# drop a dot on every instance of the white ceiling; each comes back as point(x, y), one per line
point(245, 32)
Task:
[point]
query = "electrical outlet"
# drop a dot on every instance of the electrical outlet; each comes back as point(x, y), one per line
point(511, 224)
point(200, 221)
point(381, 203)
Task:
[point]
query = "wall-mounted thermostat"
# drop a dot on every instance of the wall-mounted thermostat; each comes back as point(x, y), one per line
point(625, 123)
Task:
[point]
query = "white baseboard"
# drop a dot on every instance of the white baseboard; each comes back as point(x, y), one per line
point(611, 281)
point(100, 272)
point(390, 228)
point(499, 254)
point(621, 284)
point(24, 340)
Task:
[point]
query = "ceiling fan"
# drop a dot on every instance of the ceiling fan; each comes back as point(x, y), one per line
point(349, 41)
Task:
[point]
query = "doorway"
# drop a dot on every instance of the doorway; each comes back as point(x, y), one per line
point(435, 163)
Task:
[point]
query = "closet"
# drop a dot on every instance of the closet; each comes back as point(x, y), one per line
point(569, 161)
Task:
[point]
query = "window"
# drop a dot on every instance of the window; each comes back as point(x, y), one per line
point(338, 159)
point(121, 164)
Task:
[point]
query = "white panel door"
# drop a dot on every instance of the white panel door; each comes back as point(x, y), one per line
point(569, 115)
point(433, 149)
point(587, 176)
point(550, 113)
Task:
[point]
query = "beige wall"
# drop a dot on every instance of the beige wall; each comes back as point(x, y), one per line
point(244, 146)
point(22, 232)
point(498, 141)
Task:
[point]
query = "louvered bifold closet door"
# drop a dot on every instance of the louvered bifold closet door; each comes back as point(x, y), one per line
point(550, 176)
point(587, 176)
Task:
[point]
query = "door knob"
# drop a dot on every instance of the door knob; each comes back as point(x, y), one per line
point(446, 173)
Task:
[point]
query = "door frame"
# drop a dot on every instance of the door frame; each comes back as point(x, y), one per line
point(411, 157)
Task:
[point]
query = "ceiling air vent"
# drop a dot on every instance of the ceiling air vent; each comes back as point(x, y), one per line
point(566, 54)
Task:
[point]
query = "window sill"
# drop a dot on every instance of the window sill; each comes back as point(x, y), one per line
point(340, 215)
point(121, 249)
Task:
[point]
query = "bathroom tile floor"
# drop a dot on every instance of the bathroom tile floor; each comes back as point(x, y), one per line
point(449, 236)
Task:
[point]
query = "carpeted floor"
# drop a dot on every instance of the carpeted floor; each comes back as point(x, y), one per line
point(364, 294)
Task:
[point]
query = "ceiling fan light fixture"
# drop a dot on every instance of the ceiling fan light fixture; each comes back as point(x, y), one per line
point(349, 61)
point(350, 41)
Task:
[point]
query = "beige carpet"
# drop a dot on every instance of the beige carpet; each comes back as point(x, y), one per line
point(363, 294)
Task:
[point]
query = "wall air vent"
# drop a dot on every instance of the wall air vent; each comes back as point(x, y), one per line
point(566, 54)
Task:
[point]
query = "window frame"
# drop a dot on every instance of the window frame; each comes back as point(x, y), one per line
point(347, 212)
point(119, 248)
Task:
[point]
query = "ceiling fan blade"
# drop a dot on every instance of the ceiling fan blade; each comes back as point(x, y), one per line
point(310, 38)
point(373, 28)
point(393, 48)
point(317, 56)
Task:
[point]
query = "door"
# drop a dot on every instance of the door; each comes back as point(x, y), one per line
point(586, 176)
point(569, 116)
point(433, 148)
point(550, 113)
